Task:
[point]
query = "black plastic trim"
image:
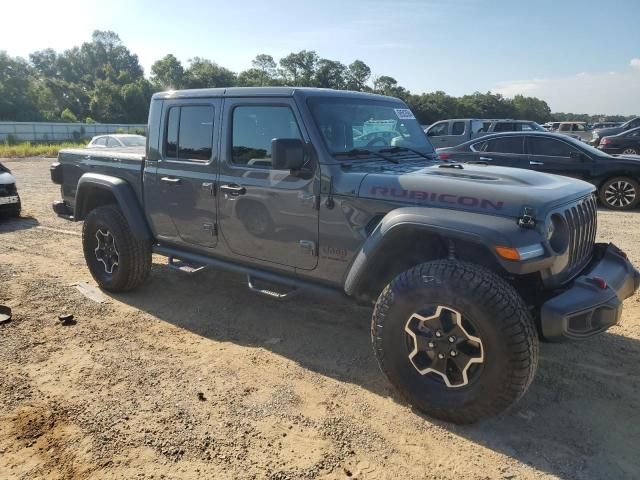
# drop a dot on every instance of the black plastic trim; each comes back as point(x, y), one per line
point(585, 300)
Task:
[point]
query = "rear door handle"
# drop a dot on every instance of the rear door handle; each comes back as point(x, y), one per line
point(233, 190)
point(171, 180)
point(535, 163)
point(486, 159)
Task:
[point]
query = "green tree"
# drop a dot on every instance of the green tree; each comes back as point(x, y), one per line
point(68, 116)
point(16, 100)
point(266, 66)
point(358, 75)
point(298, 69)
point(531, 108)
point(486, 105)
point(330, 74)
point(203, 73)
point(431, 107)
point(167, 73)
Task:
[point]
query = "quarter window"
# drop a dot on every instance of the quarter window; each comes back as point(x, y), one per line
point(253, 129)
point(189, 133)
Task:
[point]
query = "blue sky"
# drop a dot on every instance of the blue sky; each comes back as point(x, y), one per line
point(581, 56)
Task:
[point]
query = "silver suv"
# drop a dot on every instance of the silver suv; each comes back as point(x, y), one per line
point(450, 133)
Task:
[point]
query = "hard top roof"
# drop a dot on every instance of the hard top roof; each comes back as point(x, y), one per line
point(264, 92)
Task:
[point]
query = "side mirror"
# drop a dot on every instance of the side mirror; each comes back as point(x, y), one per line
point(287, 154)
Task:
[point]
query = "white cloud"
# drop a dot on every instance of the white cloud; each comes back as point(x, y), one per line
point(608, 93)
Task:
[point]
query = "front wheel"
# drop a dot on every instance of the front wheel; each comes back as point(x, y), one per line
point(455, 340)
point(117, 260)
point(620, 193)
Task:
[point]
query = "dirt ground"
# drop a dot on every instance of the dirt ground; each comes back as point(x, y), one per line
point(193, 376)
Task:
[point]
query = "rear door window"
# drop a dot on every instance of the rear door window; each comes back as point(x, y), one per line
point(504, 127)
point(549, 147)
point(112, 142)
point(189, 133)
point(457, 128)
point(512, 145)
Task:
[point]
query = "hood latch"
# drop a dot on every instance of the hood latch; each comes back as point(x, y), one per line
point(527, 219)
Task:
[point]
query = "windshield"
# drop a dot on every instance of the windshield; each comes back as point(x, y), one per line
point(367, 124)
point(137, 141)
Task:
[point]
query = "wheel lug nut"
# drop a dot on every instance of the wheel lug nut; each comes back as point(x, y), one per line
point(438, 333)
point(452, 339)
point(441, 356)
point(431, 344)
point(453, 353)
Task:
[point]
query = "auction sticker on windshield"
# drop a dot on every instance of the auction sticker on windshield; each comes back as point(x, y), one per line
point(404, 114)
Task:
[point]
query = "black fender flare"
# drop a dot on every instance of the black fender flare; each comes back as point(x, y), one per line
point(486, 230)
point(125, 198)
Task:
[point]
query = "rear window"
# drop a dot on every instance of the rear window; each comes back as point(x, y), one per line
point(189, 133)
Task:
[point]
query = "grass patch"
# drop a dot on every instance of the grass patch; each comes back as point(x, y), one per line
point(28, 149)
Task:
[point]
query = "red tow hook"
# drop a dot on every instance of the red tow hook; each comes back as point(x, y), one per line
point(600, 282)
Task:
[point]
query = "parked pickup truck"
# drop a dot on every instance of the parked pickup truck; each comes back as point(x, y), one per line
point(467, 266)
point(450, 133)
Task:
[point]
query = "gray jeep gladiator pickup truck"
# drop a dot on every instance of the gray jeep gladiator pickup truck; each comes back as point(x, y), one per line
point(468, 266)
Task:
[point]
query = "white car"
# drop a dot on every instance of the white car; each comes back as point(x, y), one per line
point(119, 140)
point(9, 198)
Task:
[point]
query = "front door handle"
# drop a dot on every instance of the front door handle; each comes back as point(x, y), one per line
point(171, 180)
point(233, 190)
point(486, 159)
point(535, 163)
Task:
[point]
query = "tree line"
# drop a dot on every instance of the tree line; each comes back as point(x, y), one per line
point(103, 81)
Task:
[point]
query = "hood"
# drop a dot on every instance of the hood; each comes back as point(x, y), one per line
point(6, 178)
point(477, 188)
point(632, 159)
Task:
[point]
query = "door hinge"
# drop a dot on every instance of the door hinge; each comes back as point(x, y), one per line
point(309, 246)
point(211, 227)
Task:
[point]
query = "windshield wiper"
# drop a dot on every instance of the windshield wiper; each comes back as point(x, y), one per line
point(354, 152)
point(407, 149)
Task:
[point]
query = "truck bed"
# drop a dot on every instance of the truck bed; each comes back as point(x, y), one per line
point(123, 163)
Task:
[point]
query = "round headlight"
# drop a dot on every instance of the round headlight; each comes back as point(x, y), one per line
point(558, 233)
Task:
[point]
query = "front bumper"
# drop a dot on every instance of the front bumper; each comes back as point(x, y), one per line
point(593, 301)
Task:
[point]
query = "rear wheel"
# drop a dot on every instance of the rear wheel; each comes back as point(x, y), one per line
point(455, 339)
point(117, 260)
point(631, 151)
point(620, 193)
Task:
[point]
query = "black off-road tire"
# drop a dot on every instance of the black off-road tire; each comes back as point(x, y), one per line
point(623, 182)
point(500, 319)
point(134, 255)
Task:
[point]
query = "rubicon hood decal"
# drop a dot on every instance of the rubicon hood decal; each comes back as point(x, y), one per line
point(435, 197)
point(487, 189)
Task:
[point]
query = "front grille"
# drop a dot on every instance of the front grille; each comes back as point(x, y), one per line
point(582, 219)
point(8, 190)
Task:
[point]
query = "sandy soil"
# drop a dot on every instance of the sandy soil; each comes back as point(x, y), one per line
point(196, 377)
